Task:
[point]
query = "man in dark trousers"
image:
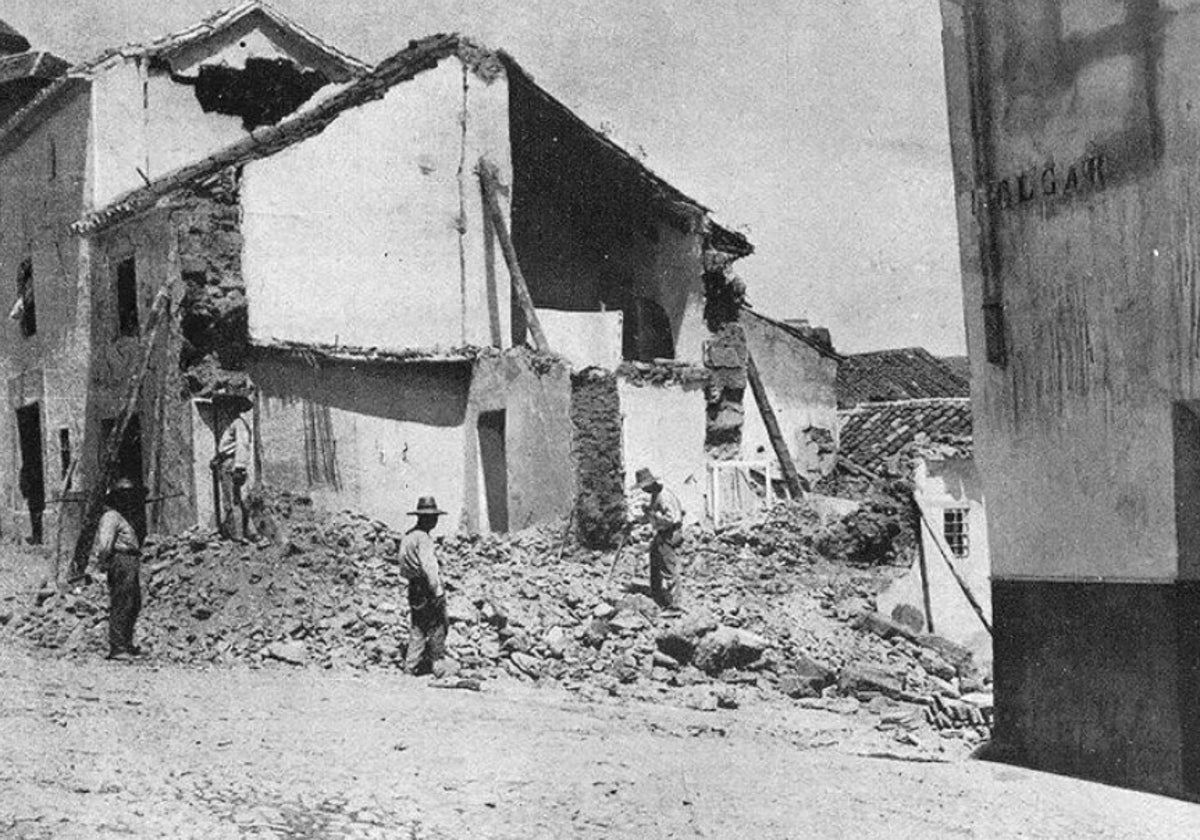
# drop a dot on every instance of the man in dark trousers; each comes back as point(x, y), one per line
point(664, 514)
point(426, 597)
point(232, 464)
point(117, 552)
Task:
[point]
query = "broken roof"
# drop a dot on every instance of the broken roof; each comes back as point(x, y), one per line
point(794, 331)
point(31, 65)
point(317, 353)
point(166, 46)
point(903, 374)
point(871, 433)
point(419, 56)
point(215, 24)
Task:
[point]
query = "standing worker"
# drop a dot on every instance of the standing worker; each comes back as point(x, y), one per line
point(117, 551)
point(664, 515)
point(232, 464)
point(426, 597)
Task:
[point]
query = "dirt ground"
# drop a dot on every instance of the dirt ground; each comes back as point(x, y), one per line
point(94, 749)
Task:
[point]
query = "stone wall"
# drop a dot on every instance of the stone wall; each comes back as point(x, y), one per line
point(600, 471)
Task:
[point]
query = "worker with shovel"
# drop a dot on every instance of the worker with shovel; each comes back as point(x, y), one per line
point(664, 514)
point(426, 597)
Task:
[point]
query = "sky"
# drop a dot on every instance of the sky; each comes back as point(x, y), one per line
point(815, 127)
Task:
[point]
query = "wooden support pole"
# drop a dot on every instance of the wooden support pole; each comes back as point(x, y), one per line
point(112, 446)
point(923, 567)
point(786, 465)
point(62, 497)
point(489, 181)
point(962, 584)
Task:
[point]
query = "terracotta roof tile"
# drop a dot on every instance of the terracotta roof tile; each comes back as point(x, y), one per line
point(871, 433)
point(905, 374)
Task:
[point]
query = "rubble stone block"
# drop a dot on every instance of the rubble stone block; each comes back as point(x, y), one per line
point(460, 610)
point(882, 626)
point(909, 616)
point(957, 655)
point(728, 647)
point(293, 653)
point(806, 679)
point(863, 678)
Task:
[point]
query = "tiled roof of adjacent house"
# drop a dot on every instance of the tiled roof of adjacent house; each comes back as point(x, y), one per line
point(871, 433)
point(910, 373)
point(961, 365)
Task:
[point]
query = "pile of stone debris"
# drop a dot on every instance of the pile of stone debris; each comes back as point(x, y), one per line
point(765, 616)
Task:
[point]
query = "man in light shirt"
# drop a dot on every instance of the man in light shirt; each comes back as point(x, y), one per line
point(664, 514)
point(117, 552)
point(233, 466)
point(426, 596)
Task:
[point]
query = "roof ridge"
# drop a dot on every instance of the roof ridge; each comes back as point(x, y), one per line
point(420, 55)
point(206, 26)
point(915, 401)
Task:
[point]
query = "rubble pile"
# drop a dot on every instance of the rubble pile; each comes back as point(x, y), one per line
point(765, 614)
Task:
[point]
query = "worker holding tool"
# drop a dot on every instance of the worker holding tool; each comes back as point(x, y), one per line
point(117, 552)
point(664, 514)
point(426, 596)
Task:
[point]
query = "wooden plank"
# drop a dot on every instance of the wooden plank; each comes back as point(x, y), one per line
point(786, 465)
point(489, 181)
point(112, 446)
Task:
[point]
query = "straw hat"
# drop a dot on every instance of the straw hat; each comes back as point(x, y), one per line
point(427, 506)
point(644, 478)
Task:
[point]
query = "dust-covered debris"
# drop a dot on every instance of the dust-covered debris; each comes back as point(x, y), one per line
point(767, 617)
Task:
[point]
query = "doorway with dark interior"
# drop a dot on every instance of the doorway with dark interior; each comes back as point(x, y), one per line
point(493, 457)
point(32, 478)
point(129, 463)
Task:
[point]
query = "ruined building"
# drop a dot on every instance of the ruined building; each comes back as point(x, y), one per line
point(96, 131)
point(337, 265)
point(1073, 135)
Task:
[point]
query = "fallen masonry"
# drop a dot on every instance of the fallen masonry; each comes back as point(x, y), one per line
point(766, 616)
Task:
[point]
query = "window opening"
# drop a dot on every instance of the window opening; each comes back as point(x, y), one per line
point(956, 532)
point(64, 450)
point(127, 307)
point(25, 309)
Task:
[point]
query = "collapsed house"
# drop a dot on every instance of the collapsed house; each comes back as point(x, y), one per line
point(365, 305)
point(94, 132)
point(906, 413)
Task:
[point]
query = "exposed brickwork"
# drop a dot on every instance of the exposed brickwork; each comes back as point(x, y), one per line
point(725, 357)
point(213, 310)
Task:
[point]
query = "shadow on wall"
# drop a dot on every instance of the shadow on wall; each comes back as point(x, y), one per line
point(432, 393)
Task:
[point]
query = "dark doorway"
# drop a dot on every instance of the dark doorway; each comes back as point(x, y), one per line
point(32, 477)
point(129, 462)
point(493, 456)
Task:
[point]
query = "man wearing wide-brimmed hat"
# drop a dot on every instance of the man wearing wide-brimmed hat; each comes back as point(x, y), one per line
point(664, 514)
point(426, 597)
point(117, 552)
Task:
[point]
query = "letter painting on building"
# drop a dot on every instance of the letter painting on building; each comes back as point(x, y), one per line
point(1082, 333)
